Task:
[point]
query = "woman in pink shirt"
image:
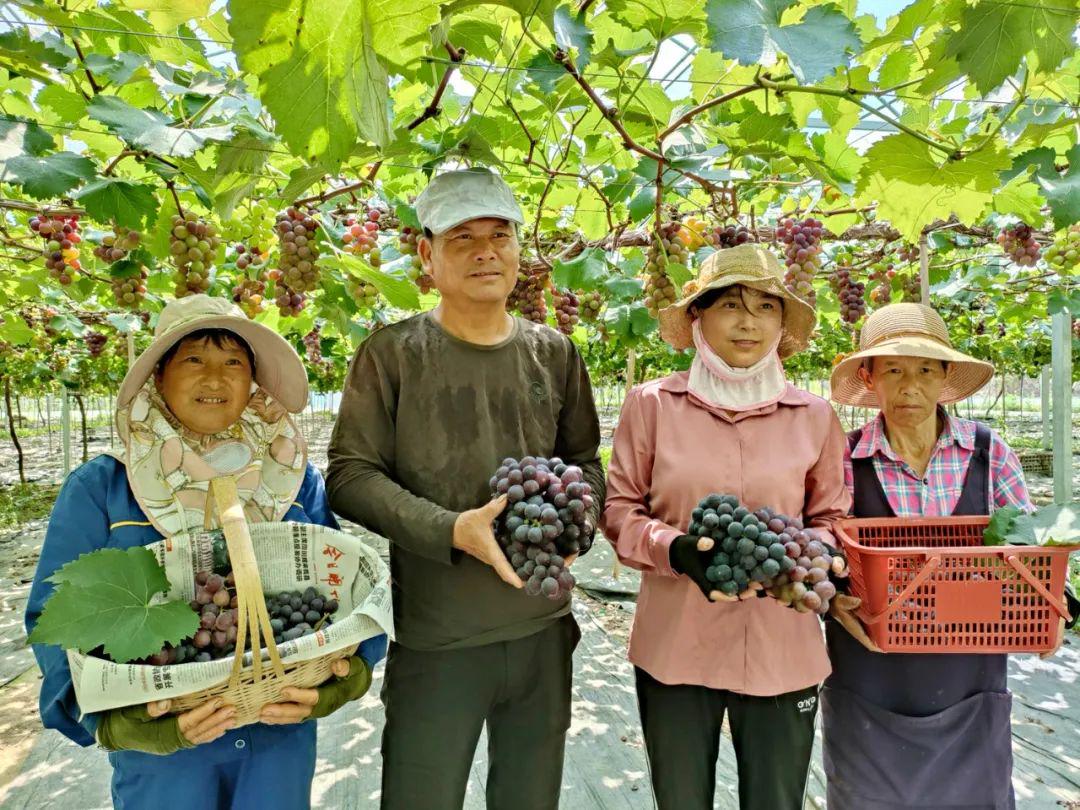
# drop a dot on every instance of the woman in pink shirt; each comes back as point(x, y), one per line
point(732, 424)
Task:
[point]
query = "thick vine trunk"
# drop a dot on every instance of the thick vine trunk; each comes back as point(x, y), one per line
point(82, 419)
point(11, 429)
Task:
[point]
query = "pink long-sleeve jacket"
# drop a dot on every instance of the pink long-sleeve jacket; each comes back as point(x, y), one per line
point(671, 449)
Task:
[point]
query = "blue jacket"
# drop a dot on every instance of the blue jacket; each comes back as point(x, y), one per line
point(96, 509)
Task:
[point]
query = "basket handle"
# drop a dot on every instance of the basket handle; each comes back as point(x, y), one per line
point(1061, 606)
point(251, 604)
point(931, 565)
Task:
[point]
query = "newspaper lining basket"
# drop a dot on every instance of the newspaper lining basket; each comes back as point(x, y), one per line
point(260, 682)
point(930, 585)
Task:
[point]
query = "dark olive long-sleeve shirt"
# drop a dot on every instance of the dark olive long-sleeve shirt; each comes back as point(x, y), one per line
point(425, 420)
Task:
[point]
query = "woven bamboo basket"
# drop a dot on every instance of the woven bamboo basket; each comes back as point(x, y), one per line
point(251, 687)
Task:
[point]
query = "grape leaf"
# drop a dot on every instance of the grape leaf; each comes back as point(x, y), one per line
point(584, 272)
point(50, 176)
point(750, 31)
point(117, 69)
point(661, 18)
point(914, 185)
point(323, 81)
point(1062, 192)
point(572, 34)
point(1020, 197)
point(69, 106)
point(168, 14)
point(1058, 525)
point(18, 137)
point(992, 39)
point(399, 292)
point(14, 330)
point(132, 205)
point(104, 599)
point(151, 130)
point(29, 56)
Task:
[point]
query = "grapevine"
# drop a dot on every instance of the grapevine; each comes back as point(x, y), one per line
point(253, 227)
point(116, 245)
point(567, 307)
point(95, 343)
point(61, 252)
point(1064, 254)
point(544, 522)
point(1018, 242)
point(407, 240)
point(313, 348)
point(908, 253)
point(129, 287)
point(298, 270)
point(250, 294)
point(591, 305)
point(527, 297)
point(669, 247)
point(361, 238)
point(882, 273)
point(728, 236)
point(364, 293)
point(694, 232)
point(193, 244)
point(802, 240)
point(912, 288)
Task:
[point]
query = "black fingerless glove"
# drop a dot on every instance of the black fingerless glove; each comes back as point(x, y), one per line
point(687, 560)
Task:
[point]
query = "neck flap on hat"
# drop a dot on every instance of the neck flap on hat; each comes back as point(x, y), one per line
point(735, 389)
point(169, 468)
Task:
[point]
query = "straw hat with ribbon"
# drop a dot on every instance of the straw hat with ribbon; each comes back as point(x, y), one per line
point(751, 266)
point(908, 330)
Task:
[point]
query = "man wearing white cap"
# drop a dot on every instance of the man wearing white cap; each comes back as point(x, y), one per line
point(430, 407)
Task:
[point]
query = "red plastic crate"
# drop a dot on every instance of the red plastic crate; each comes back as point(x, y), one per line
point(930, 585)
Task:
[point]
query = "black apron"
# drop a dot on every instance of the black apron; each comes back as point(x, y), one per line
point(916, 730)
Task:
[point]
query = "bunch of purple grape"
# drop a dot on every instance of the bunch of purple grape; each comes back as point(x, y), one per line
point(545, 521)
point(292, 614)
point(790, 561)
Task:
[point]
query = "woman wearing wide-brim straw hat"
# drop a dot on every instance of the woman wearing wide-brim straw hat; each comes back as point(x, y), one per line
point(917, 730)
point(731, 424)
point(211, 395)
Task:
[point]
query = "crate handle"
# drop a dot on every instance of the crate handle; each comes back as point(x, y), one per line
point(932, 563)
point(1060, 606)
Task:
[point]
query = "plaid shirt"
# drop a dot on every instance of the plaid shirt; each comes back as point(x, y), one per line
point(937, 492)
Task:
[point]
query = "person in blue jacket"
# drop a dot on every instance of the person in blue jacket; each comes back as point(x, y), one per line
point(210, 396)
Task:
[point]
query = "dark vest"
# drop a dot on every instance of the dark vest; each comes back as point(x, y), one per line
point(921, 731)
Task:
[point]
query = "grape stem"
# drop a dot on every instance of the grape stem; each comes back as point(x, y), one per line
point(612, 115)
point(169, 184)
point(82, 60)
point(112, 164)
point(49, 211)
point(433, 109)
point(852, 94)
point(364, 182)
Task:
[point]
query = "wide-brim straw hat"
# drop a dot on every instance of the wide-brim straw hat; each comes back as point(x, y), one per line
point(278, 368)
point(752, 266)
point(908, 330)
